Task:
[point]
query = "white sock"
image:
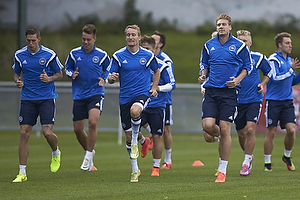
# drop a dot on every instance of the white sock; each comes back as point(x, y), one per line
point(142, 140)
point(168, 156)
point(156, 162)
point(22, 169)
point(223, 166)
point(88, 155)
point(247, 159)
point(134, 165)
point(135, 125)
point(267, 158)
point(55, 153)
point(287, 153)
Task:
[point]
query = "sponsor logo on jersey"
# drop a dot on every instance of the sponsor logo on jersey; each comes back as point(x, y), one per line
point(42, 61)
point(232, 48)
point(143, 61)
point(213, 48)
point(24, 62)
point(95, 59)
point(78, 58)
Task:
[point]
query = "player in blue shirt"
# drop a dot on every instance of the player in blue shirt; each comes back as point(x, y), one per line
point(87, 67)
point(250, 99)
point(228, 61)
point(160, 40)
point(279, 100)
point(154, 115)
point(132, 65)
point(40, 67)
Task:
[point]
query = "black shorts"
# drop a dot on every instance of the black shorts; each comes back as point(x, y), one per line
point(31, 109)
point(247, 112)
point(155, 118)
point(142, 100)
point(219, 103)
point(82, 107)
point(282, 111)
point(169, 115)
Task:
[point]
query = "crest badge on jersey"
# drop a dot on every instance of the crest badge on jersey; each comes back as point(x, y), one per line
point(143, 61)
point(42, 61)
point(95, 59)
point(232, 48)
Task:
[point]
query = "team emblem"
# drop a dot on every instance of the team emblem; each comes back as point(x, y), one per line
point(232, 48)
point(143, 61)
point(20, 118)
point(95, 59)
point(42, 61)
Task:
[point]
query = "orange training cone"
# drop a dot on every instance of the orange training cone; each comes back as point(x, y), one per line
point(197, 163)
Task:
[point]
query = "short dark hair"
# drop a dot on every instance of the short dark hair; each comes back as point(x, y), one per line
point(90, 29)
point(279, 37)
point(162, 38)
point(149, 40)
point(31, 30)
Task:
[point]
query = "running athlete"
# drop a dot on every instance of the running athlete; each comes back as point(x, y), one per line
point(279, 100)
point(87, 67)
point(132, 65)
point(40, 67)
point(228, 61)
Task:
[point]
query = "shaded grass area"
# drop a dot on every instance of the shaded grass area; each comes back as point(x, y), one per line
point(111, 181)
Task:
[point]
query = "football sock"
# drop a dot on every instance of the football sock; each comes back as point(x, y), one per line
point(55, 153)
point(168, 156)
point(22, 169)
point(247, 160)
point(156, 162)
point(267, 158)
point(287, 153)
point(135, 124)
point(223, 166)
point(88, 155)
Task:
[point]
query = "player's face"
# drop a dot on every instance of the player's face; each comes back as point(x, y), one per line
point(286, 45)
point(223, 28)
point(246, 39)
point(148, 46)
point(132, 37)
point(88, 41)
point(32, 43)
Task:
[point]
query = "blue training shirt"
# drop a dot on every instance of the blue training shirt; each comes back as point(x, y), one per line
point(224, 60)
point(91, 66)
point(249, 85)
point(32, 65)
point(283, 78)
point(165, 79)
point(165, 58)
point(134, 72)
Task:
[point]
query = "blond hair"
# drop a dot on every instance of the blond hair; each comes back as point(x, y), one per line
point(224, 16)
point(133, 26)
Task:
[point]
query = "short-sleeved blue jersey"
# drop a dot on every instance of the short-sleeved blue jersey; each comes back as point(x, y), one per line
point(224, 60)
point(165, 78)
point(32, 65)
point(249, 85)
point(283, 78)
point(91, 66)
point(134, 72)
point(165, 58)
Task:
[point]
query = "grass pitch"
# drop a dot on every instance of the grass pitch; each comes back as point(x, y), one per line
point(112, 180)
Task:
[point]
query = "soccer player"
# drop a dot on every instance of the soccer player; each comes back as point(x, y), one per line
point(279, 100)
point(40, 67)
point(160, 41)
point(132, 65)
point(228, 61)
point(87, 67)
point(250, 99)
point(154, 114)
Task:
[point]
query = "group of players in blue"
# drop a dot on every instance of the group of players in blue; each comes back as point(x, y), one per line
point(228, 69)
point(145, 79)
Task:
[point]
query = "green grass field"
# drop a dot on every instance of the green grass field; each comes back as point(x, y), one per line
point(112, 180)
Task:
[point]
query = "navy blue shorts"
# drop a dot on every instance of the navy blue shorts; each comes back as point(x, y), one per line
point(282, 111)
point(143, 100)
point(219, 103)
point(81, 107)
point(247, 112)
point(31, 109)
point(169, 115)
point(155, 118)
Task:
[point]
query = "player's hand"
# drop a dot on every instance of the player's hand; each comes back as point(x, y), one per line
point(153, 92)
point(295, 64)
point(233, 83)
point(113, 77)
point(19, 82)
point(44, 77)
point(260, 88)
point(101, 82)
point(201, 79)
point(75, 74)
